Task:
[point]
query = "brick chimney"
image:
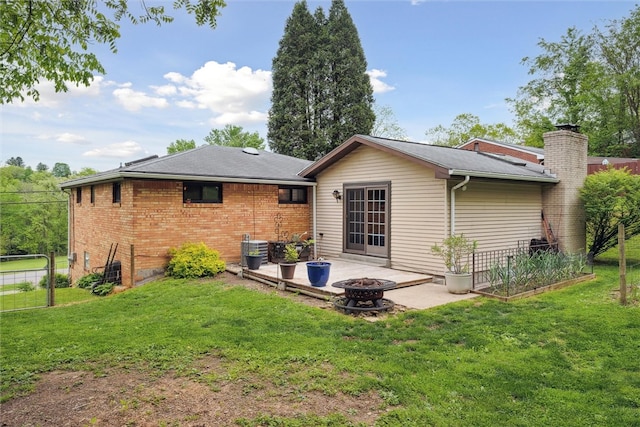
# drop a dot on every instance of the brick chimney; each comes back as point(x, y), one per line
point(565, 154)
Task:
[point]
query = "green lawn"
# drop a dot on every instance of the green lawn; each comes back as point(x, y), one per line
point(564, 358)
point(32, 263)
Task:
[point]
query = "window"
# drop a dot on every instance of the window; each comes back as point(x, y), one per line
point(292, 195)
point(87, 266)
point(79, 195)
point(93, 195)
point(116, 192)
point(202, 192)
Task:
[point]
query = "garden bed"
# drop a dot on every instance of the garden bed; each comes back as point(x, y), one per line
point(487, 292)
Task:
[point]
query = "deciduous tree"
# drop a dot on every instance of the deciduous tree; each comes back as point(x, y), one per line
point(50, 40)
point(386, 125)
point(234, 136)
point(61, 170)
point(592, 80)
point(467, 126)
point(16, 161)
point(181, 145)
point(610, 197)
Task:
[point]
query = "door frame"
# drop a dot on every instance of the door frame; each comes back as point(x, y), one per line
point(386, 185)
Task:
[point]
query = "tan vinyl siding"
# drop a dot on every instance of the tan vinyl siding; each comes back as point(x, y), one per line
point(498, 214)
point(417, 211)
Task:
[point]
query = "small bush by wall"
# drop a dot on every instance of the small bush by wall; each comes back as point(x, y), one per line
point(194, 260)
point(88, 280)
point(61, 281)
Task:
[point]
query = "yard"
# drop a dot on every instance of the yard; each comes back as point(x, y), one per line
point(231, 352)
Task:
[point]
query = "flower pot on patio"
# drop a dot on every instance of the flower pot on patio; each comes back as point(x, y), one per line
point(287, 270)
point(254, 261)
point(318, 273)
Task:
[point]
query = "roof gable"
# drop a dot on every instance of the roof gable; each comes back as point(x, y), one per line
point(446, 161)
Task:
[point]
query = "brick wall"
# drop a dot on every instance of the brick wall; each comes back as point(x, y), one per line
point(566, 156)
point(97, 227)
point(487, 147)
point(153, 218)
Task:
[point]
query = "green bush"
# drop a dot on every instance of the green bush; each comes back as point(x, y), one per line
point(194, 260)
point(61, 281)
point(25, 286)
point(87, 281)
point(103, 289)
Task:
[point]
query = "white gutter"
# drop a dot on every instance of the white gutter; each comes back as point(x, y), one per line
point(452, 226)
point(476, 174)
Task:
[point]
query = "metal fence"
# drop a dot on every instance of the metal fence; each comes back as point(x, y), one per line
point(20, 281)
point(525, 267)
point(483, 261)
point(632, 267)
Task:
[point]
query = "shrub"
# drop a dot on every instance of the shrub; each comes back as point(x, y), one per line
point(103, 289)
point(87, 281)
point(194, 260)
point(61, 281)
point(25, 286)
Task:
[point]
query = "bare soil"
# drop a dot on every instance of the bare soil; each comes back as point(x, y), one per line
point(121, 397)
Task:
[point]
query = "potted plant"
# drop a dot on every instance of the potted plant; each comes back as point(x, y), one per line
point(318, 272)
point(254, 259)
point(291, 255)
point(455, 251)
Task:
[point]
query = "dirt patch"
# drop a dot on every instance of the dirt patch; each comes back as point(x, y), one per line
point(125, 398)
point(120, 397)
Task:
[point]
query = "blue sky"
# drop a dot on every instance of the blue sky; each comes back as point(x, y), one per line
point(429, 61)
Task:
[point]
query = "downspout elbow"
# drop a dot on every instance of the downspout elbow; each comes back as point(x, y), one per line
point(452, 220)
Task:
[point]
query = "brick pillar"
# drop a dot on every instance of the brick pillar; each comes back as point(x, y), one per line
point(565, 154)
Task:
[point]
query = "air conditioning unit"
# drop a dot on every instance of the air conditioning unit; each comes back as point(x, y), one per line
point(247, 246)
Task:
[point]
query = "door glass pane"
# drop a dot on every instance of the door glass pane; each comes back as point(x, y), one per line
point(355, 220)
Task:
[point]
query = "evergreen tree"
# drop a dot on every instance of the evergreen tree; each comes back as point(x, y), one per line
point(321, 92)
point(351, 92)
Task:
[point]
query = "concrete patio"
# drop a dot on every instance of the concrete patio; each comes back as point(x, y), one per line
point(413, 290)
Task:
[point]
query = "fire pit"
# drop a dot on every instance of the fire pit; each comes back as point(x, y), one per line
point(364, 295)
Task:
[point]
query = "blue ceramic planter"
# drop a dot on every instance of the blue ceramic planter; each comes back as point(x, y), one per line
point(318, 272)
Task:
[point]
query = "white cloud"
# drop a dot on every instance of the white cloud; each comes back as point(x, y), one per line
point(133, 101)
point(234, 95)
point(118, 150)
point(242, 117)
point(378, 85)
point(165, 90)
point(49, 98)
point(70, 138)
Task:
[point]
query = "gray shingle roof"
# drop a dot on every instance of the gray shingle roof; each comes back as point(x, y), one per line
point(209, 162)
point(447, 161)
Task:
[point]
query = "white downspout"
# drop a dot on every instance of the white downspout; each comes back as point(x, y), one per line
point(452, 226)
point(315, 221)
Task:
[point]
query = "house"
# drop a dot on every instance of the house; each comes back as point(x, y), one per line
point(534, 154)
point(371, 199)
point(211, 194)
point(389, 201)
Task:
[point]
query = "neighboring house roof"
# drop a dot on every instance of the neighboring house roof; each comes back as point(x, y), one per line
point(538, 152)
point(446, 161)
point(592, 161)
point(209, 163)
